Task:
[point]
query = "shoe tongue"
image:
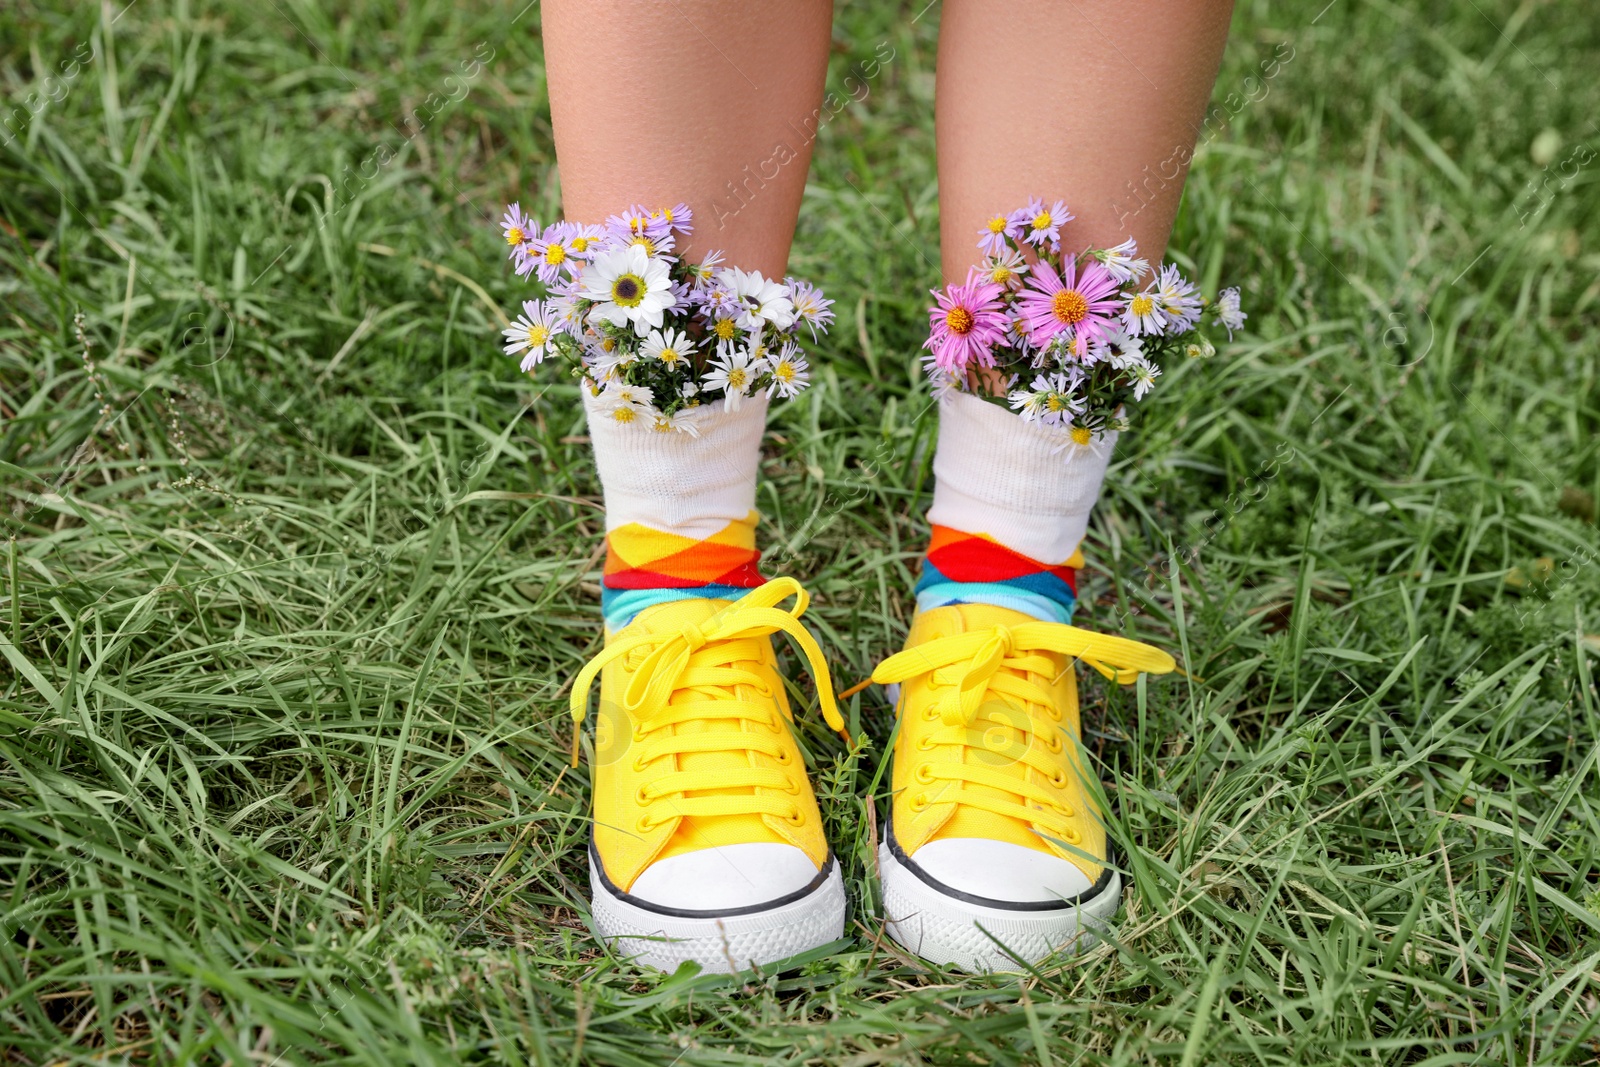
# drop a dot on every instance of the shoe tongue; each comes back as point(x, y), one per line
point(975, 822)
point(694, 834)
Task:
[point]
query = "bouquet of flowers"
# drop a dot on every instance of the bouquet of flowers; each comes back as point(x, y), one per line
point(1067, 340)
point(653, 338)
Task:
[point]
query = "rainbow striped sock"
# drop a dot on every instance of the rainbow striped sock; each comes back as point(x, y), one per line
point(645, 567)
point(972, 568)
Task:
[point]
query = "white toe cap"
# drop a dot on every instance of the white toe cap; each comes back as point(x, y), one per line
point(725, 876)
point(1000, 870)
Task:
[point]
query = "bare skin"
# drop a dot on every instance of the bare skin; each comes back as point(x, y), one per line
point(726, 134)
point(1071, 100)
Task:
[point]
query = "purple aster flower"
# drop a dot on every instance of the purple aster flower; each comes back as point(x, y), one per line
point(996, 231)
point(551, 254)
point(677, 218)
point(1042, 224)
point(1177, 299)
point(519, 230)
point(583, 240)
point(810, 306)
point(1083, 303)
point(967, 321)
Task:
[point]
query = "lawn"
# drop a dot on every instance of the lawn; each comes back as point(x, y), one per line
point(298, 567)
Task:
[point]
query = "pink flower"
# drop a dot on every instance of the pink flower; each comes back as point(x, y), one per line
point(967, 322)
point(1084, 304)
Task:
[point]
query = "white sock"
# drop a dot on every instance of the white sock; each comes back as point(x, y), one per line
point(1025, 487)
point(680, 509)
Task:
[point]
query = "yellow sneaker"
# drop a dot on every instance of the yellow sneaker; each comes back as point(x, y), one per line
point(707, 844)
point(995, 851)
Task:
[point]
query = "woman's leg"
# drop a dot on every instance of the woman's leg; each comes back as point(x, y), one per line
point(1097, 105)
point(690, 102)
point(707, 840)
point(1093, 103)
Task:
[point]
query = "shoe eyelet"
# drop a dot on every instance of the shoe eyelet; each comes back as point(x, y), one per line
point(639, 796)
point(919, 802)
point(925, 745)
point(783, 758)
point(1053, 743)
point(796, 818)
point(1059, 779)
point(930, 715)
point(645, 825)
point(638, 734)
point(924, 774)
point(638, 765)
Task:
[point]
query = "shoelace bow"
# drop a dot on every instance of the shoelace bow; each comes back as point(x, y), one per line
point(701, 658)
point(998, 660)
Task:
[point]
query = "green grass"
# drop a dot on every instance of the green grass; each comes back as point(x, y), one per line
point(299, 568)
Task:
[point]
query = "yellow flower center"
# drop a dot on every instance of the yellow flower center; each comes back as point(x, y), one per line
point(737, 379)
point(628, 291)
point(515, 236)
point(724, 329)
point(608, 345)
point(669, 356)
point(624, 414)
point(1054, 402)
point(1081, 435)
point(537, 335)
point(997, 224)
point(554, 254)
point(1142, 305)
point(1000, 275)
point(645, 243)
point(784, 372)
point(580, 243)
point(1041, 221)
point(959, 319)
point(1069, 307)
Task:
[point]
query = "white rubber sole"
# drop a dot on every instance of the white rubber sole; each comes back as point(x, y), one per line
point(947, 930)
point(722, 944)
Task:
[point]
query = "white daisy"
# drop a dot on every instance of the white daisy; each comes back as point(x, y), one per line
point(1121, 350)
point(628, 287)
point(626, 404)
point(759, 300)
point(734, 374)
point(1144, 379)
point(606, 357)
point(532, 332)
point(680, 421)
point(1122, 263)
point(790, 372)
point(672, 347)
point(1007, 269)
point(1228, 312)
point(1177, 299)
point(1143, 315)
point(701, 274)
point(1052, 402)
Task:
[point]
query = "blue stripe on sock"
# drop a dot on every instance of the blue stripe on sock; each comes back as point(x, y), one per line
point(620, 605)
point(1042, 595)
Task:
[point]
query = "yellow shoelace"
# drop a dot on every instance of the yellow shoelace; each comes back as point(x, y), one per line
point(968, 668)
point(704, 658)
